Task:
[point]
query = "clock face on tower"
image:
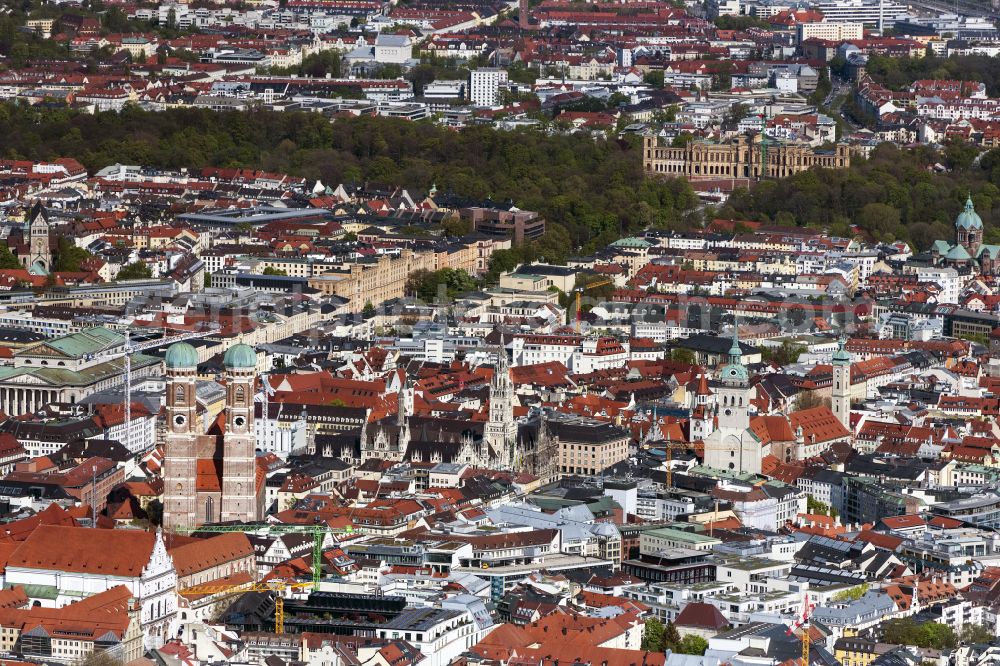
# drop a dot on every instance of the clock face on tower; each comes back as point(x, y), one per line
point(239, 422)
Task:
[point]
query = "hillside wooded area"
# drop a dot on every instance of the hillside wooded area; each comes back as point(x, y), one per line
point(894, 195)
point(590, 191)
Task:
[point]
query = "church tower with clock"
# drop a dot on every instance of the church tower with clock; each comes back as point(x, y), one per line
point(210, 474)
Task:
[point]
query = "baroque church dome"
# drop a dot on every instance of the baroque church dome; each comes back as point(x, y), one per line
point(968, 219)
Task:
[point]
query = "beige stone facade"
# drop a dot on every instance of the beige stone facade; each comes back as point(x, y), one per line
point(385, 278)
point(577, 456)
point(744, 157)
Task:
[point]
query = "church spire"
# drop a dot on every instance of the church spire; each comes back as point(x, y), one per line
point(502, 364)
point(703, 389)
point(500, 432)
point(735, 372)
point(401, 404)
point(735, 353)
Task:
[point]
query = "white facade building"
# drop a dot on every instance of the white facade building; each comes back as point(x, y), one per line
point(946, 278)
point(393, 49)
point(485, 84)
point(59, 565)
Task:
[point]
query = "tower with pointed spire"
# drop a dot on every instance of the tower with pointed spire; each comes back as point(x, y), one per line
point(500, 432)
point(702, 420)
point(734, 390)
point(542, 458)
point(841, 392)
point(968, 249)
point(39, 259)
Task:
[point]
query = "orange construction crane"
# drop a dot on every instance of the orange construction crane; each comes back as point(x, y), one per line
point(276, 586)
point(580, 290)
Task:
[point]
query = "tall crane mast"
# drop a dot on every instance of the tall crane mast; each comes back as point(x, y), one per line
point(272, 586)
point(318, 533)
point(131, 349)
point(802, 623)
point(579, 291)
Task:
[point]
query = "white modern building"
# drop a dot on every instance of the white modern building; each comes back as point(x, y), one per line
point(946, 278)
point(868, 12)
point(832, 30)
point(485, 84)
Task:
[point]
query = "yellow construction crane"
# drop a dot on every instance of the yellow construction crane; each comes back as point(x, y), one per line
point(276, 586)
point(670, 447)
point(580, 290)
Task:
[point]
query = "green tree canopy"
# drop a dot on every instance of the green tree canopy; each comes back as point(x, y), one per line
point(787, 353)
point(428, 285)
point(671, 637)
point(68, 256)
point(653, 636)
point(692, 644)
point(976, 633)
point(135, 271)
point(682, 355)
point(588, 191)
point(7, 258)
point(906, 631)
point(893, 195)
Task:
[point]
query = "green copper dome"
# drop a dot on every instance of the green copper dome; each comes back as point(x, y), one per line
point(735, 372)
point(958, 253)
point(841, 356)
point(181, 355)
point(240, 356)
point(968, 218)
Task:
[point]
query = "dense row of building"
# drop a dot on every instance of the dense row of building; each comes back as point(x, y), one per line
point(308, 462)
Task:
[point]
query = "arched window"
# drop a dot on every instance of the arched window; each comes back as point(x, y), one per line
point(240, 394)
point(179, 394)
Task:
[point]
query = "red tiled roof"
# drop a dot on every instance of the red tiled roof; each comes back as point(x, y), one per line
point(121, 553)
point(201, 554)
point(702, 616)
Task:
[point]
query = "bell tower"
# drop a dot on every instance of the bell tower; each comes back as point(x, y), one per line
point(39, 250)
point(702, 420)
point(841, 393)
point(969, 228)
point(733, 395)
point(239, 467)
point(180, 449)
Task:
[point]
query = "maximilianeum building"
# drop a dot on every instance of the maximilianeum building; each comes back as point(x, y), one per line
point(742, 157)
